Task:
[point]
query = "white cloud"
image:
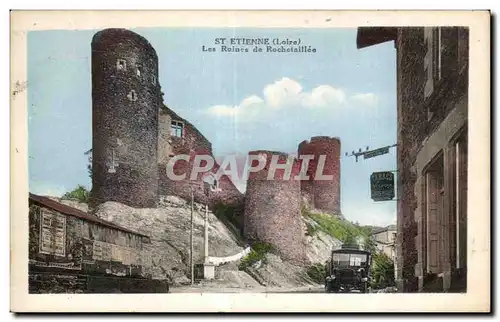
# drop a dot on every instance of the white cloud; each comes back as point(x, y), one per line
point(322, 96)
point(284, 93)
point(251, 100)
point(368, 99)
point(223, 110)
point(259, 121)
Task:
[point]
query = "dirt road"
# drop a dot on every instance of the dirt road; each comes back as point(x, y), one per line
point(212, 289)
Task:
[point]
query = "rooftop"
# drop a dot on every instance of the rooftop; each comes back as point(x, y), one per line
point(369, 36)
point(384, 229)
point(70, 211)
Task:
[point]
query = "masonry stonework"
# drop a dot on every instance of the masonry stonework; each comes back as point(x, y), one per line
point(133, 140)
point(432, 78)
point(272, 208)
point(125, 100)
point(192, 143)
point(72, 251)
point(322, 194)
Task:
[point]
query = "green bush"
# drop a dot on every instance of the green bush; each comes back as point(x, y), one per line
point(80, 193)
point(258, 253)
point(317, 273)
point(227, 213)
point(382, 270)
point(263, 247)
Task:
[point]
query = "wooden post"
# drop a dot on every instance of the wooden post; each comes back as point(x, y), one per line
point(206, 233)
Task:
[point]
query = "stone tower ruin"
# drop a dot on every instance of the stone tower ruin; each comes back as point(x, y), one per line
point(322, 194)
point(126, 96)
point(272, 209)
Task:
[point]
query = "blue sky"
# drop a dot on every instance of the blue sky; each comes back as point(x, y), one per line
point(239, 101)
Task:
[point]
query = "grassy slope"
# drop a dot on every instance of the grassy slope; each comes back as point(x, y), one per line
point(343, 230)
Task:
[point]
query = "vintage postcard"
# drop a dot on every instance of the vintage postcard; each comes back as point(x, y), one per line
point(250, 161)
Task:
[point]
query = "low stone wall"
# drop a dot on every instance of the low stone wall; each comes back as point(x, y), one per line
point(53, 283)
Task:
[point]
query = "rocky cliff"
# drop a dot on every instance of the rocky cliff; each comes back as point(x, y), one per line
point(167, 253)
point(168, 227)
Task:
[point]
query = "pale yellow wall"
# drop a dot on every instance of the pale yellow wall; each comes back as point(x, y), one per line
point(164, 146)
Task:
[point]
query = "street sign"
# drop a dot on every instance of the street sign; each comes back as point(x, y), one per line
point(382, 186)
point(376, 153)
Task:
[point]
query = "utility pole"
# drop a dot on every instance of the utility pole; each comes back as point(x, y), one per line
point(206, 232)
point(210, 185)
point(191, 237)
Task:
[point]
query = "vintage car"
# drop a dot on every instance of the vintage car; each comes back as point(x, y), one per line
point(348, 269)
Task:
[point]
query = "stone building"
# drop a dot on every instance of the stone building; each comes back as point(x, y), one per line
point(272, 208)
point(135, 135)
point(177, 136)
point(72, 251)
point(432, 83)
point(323, 195)
point(385, 239)
point(126, 96)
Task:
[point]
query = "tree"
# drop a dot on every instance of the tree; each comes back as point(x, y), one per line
point(80, 193)
point(382, 270)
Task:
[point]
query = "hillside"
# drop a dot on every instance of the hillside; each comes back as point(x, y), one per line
point(167, 254)
point(342, 230)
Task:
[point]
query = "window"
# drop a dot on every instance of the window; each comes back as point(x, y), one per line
point(442, 56)
point(112, 163)
point(433, 58)
point(346, 260)
point(177, 129)
point(121, 64)
point(132, 96)
point(153, 79)
point(341, 259)
point(437, 54)
point(53, 234)
point(357, 260)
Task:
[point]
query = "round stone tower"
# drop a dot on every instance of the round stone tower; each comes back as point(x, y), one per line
point(322, 194)
point(125, 100)
point(272, 208)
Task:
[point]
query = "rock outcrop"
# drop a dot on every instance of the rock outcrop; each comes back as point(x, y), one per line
point(167, 256)
point(278, 273)
point(168, 227)
point(319, 246)
point(72, 203)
